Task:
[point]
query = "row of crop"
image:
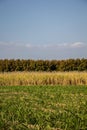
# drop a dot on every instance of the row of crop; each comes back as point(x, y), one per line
point(43, 65)
point(43, 78)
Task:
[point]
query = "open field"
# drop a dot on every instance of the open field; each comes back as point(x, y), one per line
point(42, 78)
point(43, 108)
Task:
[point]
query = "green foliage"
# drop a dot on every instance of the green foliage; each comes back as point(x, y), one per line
point(43, 65)
point(43, 108)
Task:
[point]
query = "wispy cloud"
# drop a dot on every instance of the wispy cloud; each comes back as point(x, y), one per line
point(28, 45)
point(59, 45)
point(43, 51)
point(77, 44)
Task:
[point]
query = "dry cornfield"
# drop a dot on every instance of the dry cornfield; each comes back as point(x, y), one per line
point(42, 78)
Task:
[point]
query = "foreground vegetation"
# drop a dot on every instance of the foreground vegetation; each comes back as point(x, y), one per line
point(43, 108)
point(42, 78)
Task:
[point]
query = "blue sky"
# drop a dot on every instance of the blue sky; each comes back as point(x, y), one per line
point(43, 29)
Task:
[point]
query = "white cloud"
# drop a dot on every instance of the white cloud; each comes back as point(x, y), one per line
point(43, 51)
point(28, 45)
point(59, 45)
point(77, 44)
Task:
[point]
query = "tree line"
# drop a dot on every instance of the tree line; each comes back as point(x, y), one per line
point(43, 65)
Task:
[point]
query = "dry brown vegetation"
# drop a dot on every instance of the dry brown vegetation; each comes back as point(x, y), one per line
point(43, 78)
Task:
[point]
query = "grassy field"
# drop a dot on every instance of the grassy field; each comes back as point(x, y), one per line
point(43, 107)
point(43, 78)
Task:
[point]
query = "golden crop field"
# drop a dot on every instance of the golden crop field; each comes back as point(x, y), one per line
point(42, 78)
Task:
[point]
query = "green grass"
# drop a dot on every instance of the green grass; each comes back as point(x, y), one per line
point(43, 108)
